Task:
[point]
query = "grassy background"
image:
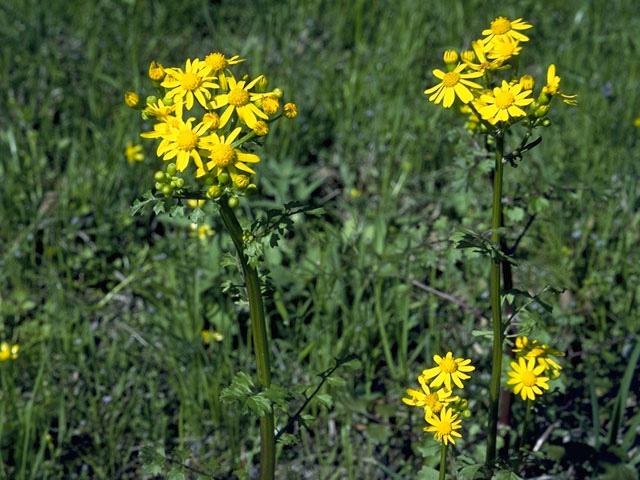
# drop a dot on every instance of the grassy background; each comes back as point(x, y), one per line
point(108, 308)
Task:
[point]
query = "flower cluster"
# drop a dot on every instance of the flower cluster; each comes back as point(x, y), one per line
point(495, 102)
point(203, 115)
point(8, 352)
point(441, 407)
point(534, 366)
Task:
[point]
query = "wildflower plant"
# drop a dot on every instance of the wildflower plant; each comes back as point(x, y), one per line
point(207, 123)
point(499, 103)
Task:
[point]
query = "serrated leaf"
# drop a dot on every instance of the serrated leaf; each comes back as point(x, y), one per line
point(428, 473)
point(469, 472)
point(288, 439)
point(276, 394)
point(240, 388)
point(175, 474)
point(259, 404)
point(158, 208)
point(197, 215)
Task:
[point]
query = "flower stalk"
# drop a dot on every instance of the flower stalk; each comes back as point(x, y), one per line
point(260, 340)
point(443, 462)
point(496, 315)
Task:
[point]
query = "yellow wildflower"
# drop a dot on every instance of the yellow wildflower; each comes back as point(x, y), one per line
point(223, 157)
point(238, 100)
point(432, 402)
point(453, 84)
point(290, 110)
point(208, 335)
point(448, 369)
point(202, 231)
point(444, 426)
point(133, 153)
point(186, 85)
point(156, 71)
point(503, 28)
point(132, 99)
point(217, 63)
point(8, 352)
point(270, 104)
point(503, 49)
point(526, 379)
point(159, 110)
point(261, 128)
point(179, 139)
point(505, 102)
point(553, 84)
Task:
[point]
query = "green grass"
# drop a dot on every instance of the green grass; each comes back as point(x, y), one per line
point(108, 308)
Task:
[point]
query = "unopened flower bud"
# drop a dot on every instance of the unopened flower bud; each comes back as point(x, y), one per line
point(466, 414)
point(261, 128)
point(251, 189)
point(223, 177)
point(151, 99)
point(156, 71)
point(167, 190)
point(233, 202)
point(450, 57)
point(543, 99)
point(278, 92)
point(541, 111)
point(468, 56)
point(171, 169)
point(261, 85)
point(527, 82)
point(211, 119)
point(290, 110)
point(214, 191)
point(132, 100)
point(159, 176)
point(241, 181)
point(546, 122)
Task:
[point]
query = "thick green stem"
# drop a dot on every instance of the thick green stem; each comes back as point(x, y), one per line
point(443, 462)
point(260, 341)
point(496, 317)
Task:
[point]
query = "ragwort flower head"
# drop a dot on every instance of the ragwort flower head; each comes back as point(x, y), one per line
point(453, 83)
point(432, 402)
point(216, 63)
point(8, 352)
point(239, 99)
point(541, 352)
point(504, 103)
point(185, 85)
point(478, 54)
point(448, 369)
point(502, 28)
point(503, 49)
point(223, 157)
point(552, 87)
point(179, 139)
point(444, 426)
point(526, 378)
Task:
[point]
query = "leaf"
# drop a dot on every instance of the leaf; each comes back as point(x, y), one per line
point(325, 400)
point(175, 474)
point(276, 394)
point(337, 382)
point(288, 439)
point(177, 210)
point(197, 215)
point(240, 388)
point(158, 208)
point(428, 473)
point(506, 475)
point(259, 404)
point(469, 472)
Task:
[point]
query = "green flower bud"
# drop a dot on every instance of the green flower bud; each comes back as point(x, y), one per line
point(223, 177)
point(171, 169)
point(151, 99)
point(168, 101)
point(167, 190)
point(546, 122)
point(278, 92)
point(144, 116)
point(251, 189)
point(543, 99)
point(159, 186)
point(463, 403)
point(159, 176)
point(466, 414)
point(179, 182)
point(233, 202)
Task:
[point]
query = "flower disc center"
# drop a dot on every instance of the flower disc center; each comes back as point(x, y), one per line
point(450, 79)
point(222, 155)
point(500, 26)
point(190, 81)
point(504, 100)
point(448, 365)
point(238, 97)
point(528, 379)
point(216, 61)
point(187, 140)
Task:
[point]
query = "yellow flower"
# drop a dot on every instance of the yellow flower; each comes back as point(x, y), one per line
point(553, 84)
point(217, 63)
point(484, 64)
point(223, 157)
point(636, 122)
point(270, 104)
point(133, 153)
point(202, 231)
point(527, 82)
point(432, 402)
point(156, 71)
point(290, 110)
point(502, 28)
point(448, 369)
point(179, 139)
point(239, 100)
point(505, 102)
point(450, 57)
point(445, 426)
point(541, 352)
point(526, 379)
point(261, 128)
point(503, 49)
point(132, 99)
point(186, 85)
point(8, 351)
point(159, 110)
point(211, 120)
point(208, 335)
point(453, 84)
